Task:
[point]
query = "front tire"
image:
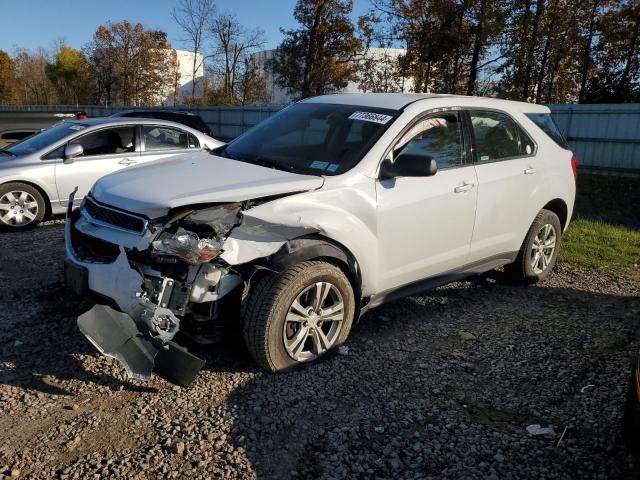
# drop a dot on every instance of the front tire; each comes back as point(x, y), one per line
point(539, 251)
point(21, 206)
point(298, 316)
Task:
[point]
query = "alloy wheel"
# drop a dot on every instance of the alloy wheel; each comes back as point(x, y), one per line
point(543, 248)
point(18, 208)
point(313, 321)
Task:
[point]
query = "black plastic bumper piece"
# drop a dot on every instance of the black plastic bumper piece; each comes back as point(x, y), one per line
point(115, 334)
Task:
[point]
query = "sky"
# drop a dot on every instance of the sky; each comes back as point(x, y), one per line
point(40, 23)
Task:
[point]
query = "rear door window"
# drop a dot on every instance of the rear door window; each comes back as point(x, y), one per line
point(527, 146)
point(497, 136)
point(164, 138)
point(548, 125)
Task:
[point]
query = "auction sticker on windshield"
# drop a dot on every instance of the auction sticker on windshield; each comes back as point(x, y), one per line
point(371, 117)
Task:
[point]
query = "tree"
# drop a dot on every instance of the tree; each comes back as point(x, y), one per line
point(7, 79)
point(487, 21)
point(318, 57)
point(252, 87)
point(173, 94)
point(430, 32)
point(194, 18)
point(446, 41)
point(586, 62)
point(381, 72)
point(617, 55)
point(542, 48)
point(132, 66)
point(33, 85)
point(71, 75)
point(234, 43)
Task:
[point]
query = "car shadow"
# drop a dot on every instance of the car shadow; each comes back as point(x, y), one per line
point(426, 377)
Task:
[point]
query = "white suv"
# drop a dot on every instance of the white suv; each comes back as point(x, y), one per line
point(331, 207)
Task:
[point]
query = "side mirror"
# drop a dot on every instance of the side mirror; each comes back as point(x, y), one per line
point(72, 151)
point(408, 165)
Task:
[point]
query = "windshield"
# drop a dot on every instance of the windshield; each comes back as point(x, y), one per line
point(312, 138)
point(44, 139)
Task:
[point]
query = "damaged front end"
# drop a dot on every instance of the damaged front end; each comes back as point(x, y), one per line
point(178, 280)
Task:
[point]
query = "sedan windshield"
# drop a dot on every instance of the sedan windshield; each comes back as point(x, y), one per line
point(312, 138)
point(45, 138)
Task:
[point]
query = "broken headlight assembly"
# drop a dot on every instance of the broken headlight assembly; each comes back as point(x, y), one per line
point(201, 241)
point(187, 246)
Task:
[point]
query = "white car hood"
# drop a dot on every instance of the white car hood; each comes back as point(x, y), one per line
point(153, 189)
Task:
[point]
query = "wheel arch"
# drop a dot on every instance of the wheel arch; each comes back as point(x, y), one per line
point(317, 247)
point(39, 188)
point(560, 208)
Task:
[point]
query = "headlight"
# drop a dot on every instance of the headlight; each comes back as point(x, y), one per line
point(188, 246)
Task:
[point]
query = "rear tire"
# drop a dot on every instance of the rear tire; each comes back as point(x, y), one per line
point(21, 206)
point(539, 251)
point(298, 316)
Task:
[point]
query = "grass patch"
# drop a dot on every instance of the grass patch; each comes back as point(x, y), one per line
point(601, 245)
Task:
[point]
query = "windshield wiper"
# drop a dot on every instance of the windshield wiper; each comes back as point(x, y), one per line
point(259, 160)
point(271, 163)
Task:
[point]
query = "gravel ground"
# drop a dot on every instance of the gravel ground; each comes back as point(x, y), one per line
point(437, 386)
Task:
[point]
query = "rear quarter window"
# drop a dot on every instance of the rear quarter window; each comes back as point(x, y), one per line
point(548, 125)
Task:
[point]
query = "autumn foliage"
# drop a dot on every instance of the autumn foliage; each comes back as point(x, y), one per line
point(543, 51)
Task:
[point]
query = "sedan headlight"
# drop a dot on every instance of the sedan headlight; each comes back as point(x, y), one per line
point(188, 246)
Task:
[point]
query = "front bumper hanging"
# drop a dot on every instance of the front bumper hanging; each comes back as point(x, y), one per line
point(117, 335)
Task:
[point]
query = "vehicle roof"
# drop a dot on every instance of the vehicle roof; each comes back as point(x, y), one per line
point(102, 121)
point(398, 101)
point(142, 110)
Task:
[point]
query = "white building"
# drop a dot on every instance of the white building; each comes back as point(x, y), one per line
point(185, 79)
point(382, 60)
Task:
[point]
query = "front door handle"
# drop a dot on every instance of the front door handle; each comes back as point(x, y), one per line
point(530, 171)
point(127, 161)
point(465, 187)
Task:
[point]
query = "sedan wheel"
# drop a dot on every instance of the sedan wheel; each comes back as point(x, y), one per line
point(21, 206)
point(313, 322)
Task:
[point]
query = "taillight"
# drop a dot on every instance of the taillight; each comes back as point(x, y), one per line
point(574, 167)
point(82, 116)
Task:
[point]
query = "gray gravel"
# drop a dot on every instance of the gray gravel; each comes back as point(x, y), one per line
point(437, 386)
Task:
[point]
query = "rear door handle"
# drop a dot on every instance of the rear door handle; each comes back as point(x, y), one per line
point(127, 161)
point(530, 171)
point(465, 187)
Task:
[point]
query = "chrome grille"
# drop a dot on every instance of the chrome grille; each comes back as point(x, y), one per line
point(110, 217)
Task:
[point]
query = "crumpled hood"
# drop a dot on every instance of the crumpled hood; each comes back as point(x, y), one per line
point(154, 188)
